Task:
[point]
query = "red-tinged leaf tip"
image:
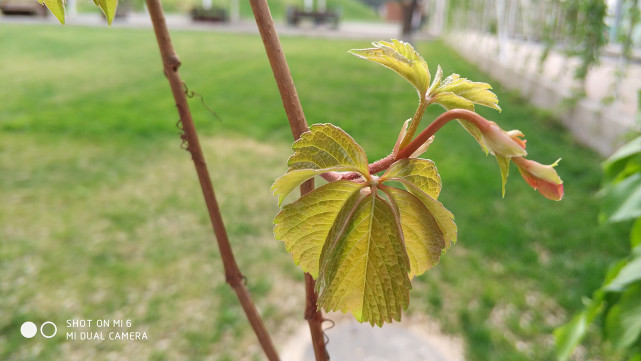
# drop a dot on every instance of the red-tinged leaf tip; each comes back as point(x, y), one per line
point(542, 178)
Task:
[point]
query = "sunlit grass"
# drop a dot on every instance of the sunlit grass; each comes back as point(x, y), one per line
point(102, 216)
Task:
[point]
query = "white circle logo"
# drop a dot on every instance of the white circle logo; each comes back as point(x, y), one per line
point(55, 329)
point(28, 329)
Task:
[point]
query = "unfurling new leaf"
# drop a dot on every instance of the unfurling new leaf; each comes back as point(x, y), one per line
point(362, 240)
point(403, 59)
point(459, 93)
point(452, 92)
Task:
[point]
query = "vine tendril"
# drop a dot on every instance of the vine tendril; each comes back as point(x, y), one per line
point(191, 94)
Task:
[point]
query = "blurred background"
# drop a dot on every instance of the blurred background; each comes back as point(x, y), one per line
point(101, 215)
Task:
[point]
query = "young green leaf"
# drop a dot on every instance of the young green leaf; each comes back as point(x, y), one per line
point(402, 58)
point(422, 235)
point(324, 148)
point(436, 81)
point(443, 217)
point(569, 336)
point(459, 93)
point(624, 162)
point(623, 320)
point(57, 8)
point(456, 92)
point(361, 248)
point(108, 7)
point(327, 146)
point(504, 166)
point(452, 101)
point(421, 179)
point(622, 200)
point(421, 173)
point(304, 225)
point(629, 273)
point(364, 270)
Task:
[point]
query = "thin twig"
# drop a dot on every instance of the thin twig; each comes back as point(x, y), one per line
point(298, 126)
point(233, 275)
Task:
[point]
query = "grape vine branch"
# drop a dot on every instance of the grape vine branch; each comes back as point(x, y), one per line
point(298, 125)
point(233, 276)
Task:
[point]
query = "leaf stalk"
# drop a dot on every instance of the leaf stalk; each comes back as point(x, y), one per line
point(405, 152)
point(416, 120)
point(440, 121)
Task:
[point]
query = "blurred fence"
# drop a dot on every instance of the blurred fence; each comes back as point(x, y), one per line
point(588, 51)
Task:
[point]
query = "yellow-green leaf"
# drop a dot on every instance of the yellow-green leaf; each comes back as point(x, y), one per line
point(504, 165)
point(108, 7)
point(422, 236)
point(327, 146)
point(286, 183)
point(449, 100)
point(57, 8)
point(305, 224)
point(443, 217)
point(361, 248)
point(324, 148)
point(402, 58)
point(437, 79)
point(459, 93)
point(364, 270)
point(420, 172)
point(474, 92)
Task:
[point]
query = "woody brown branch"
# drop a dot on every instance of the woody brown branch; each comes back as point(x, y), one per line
point(233, 276)
point(298, 125)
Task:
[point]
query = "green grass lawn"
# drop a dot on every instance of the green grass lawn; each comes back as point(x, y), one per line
point(102, 217)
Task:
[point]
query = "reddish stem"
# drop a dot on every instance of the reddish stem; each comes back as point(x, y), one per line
point(384, 163)
point(440, 121)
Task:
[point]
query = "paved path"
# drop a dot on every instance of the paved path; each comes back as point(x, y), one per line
point(410, 340)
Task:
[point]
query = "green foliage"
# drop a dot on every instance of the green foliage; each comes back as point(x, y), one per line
point(403, 59)
point(452, 93)
point(374, 238)
point(582, 30)
point(589, 34)
point(616, 302)
point(455, 92)
point(622, 192)
point(108, 8)
point(459, 93)
point(362, 241)
point(57, 8)
point(364, 266)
